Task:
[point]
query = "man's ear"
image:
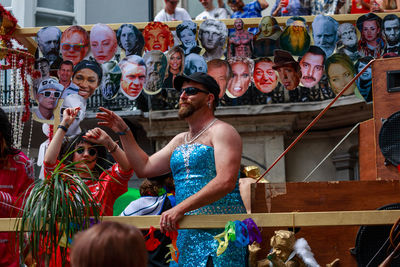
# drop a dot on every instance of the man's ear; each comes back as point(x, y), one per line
point(211, 98)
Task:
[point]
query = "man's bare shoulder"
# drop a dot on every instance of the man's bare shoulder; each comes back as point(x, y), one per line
point(224, 126)
point(225, 131)
point(177, 141)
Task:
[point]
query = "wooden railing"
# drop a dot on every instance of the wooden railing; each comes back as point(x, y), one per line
point(290, 219)
point(24, 34)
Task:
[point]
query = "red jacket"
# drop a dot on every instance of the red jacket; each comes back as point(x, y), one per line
point(15, 178)
point(105, 191)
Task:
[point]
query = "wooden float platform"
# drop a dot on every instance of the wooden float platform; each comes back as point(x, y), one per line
point(326, 242)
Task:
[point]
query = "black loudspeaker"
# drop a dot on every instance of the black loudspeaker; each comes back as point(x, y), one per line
point(386, 99)
point(389, 139)
point(372, 243)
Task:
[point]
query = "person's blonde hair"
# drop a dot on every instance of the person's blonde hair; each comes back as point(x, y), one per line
point(109, 244)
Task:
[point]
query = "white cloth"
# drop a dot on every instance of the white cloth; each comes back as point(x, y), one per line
point(146, 205)
point(37, 115)
point(216, 13)
point(71, 89)
point(180, 14)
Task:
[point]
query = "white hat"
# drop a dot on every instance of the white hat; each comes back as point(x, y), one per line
point(50, 83)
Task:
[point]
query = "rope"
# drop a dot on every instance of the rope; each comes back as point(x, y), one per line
point(316, 119)
point(9, 205)
point(340, 142)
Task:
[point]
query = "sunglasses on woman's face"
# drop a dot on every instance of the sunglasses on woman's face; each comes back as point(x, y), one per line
point(193, 91)
point(92, 151)
point(51, 93)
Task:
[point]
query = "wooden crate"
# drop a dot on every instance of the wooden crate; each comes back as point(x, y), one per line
point(327, 243)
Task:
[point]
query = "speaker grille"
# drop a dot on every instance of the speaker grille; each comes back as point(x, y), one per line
point(389, 139)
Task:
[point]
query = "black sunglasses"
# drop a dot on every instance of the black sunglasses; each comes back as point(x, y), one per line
point(92, 151)
point(193, 91)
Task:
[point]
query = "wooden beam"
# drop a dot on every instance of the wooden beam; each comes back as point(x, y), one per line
point(288, 219)
point(23, 34)
point(26, 41)
point(249, 22)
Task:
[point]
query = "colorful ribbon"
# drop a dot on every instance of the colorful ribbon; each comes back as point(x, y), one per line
point(173, 248)
point(223, 238)
point(152, 243)
point(254, 232)
point(242, 234)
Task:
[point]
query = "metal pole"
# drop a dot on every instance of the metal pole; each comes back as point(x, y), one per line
point(151, 10)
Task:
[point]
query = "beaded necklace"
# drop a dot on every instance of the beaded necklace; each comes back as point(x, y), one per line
point(200, 133)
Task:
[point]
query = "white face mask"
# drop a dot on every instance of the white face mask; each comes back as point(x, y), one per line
point(73, 101)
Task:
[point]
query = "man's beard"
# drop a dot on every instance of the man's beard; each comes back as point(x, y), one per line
point(52, 56)
point(393, 42)
point(153, 82)
point(297, 38)
point(186, 111)
point(350, 43)
point(328, 49)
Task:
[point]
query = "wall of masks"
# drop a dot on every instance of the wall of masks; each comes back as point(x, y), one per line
point(264, 65)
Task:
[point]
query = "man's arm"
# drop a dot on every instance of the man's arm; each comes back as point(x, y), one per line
point(263, 3)
point(227, 151)
point(276, 9)
point(142, 164)
point(221, 4)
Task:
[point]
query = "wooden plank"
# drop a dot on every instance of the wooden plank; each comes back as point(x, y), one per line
point(23, 34)
point(249, 22)
point(285, 219)
point(366, 150)
point(327, 242)
point(329, 196)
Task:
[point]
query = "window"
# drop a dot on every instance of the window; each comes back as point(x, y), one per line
point(47, 12)
point(60, 12)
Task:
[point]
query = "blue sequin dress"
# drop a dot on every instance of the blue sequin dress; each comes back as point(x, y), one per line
point(193, 166)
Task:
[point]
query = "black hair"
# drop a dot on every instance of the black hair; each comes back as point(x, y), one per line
point(183, 26)
point(43, 59)
point(6, 135)
point(364, 60)
point(69, 145)
point(316, 50)
point(164, 180)
point(89, 64)
point(139, 44)
point(67, 62)
point(368, 17)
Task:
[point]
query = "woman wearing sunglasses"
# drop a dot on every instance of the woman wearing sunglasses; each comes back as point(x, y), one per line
point(89, 150)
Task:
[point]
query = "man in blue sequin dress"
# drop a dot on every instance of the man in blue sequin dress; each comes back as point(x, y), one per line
point(205, 163)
